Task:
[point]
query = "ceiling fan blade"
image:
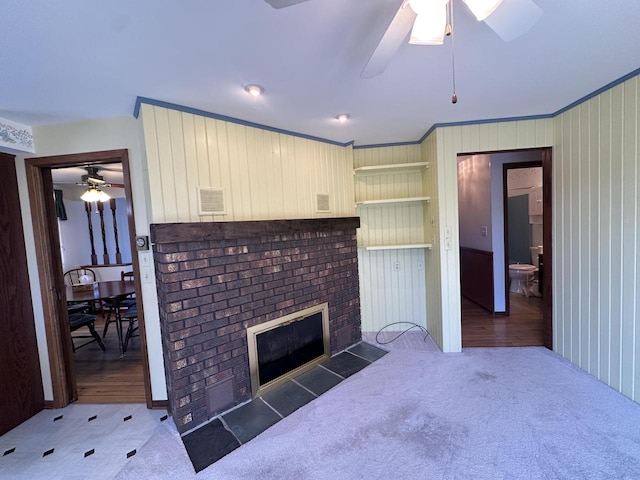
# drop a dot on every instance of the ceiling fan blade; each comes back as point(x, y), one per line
point(284, 3)
point(393, 37)
point(513, 18)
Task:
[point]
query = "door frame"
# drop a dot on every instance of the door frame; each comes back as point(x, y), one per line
point(47, 246)
point(547, 236)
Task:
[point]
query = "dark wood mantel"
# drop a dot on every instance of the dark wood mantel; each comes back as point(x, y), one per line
point(211, 231)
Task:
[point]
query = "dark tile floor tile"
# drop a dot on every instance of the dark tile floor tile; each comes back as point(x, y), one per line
point(345, 364)
point(368, 351)
point(208, 444)
point(318, 380)
point(250, 420)
point(287, 398)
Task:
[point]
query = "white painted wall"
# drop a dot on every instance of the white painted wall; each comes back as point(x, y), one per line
point(89, 136)
point(474, 201)
point(75, 244)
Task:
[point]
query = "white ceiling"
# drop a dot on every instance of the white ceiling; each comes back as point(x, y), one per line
point(79, 59)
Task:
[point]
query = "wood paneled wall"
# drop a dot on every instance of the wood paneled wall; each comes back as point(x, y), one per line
point(390, 294)
point(265, 175)
point(476, 276)
point(431, 222)
point(596, 231)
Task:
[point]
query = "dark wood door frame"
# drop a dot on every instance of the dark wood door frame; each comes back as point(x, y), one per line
point(38, 170)
point(547, 294)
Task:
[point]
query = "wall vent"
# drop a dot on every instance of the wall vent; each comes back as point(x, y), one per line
point(322, 202)
point(211, 201)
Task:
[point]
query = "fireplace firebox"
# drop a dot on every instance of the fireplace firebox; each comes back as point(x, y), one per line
point(287, 346)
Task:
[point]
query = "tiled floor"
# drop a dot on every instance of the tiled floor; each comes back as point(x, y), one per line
point(217, 438)
point(77, 442)
point(96, 441)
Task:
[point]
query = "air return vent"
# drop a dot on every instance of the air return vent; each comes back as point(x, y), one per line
point(322, 202)
point(211, 201)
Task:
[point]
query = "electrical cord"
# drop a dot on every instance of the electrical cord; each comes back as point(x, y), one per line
point(413, 325)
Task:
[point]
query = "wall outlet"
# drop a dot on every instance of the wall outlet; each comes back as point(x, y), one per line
point(396, 266)
point(483, 231)
point(420, 265)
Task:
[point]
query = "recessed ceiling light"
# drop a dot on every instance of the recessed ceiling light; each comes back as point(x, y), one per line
point(254, 90)
point(343, 117)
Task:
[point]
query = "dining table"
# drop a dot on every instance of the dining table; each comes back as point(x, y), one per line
point(113, 290)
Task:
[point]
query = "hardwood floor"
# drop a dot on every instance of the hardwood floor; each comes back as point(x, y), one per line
point(104, 377)
point(523, 327)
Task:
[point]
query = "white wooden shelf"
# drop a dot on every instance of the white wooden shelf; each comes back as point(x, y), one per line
point(391, 168)
point(427, 246)
point(388, 201)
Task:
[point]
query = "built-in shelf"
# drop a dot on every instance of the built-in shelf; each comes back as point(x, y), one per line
point(427, 246)
point(391, 168)
point(387, 201)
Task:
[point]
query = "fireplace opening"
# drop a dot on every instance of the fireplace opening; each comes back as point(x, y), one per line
point(287, 346)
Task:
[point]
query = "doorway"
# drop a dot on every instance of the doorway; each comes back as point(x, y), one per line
point(511, 322)
point(47, 242)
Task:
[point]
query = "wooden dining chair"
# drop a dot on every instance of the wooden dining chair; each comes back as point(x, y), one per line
point(131, 316)
point(124, 303)
point(81, 320)
point(74, 277)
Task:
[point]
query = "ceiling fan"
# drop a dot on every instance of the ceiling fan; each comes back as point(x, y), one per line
point(427, 20)
point(93, 179)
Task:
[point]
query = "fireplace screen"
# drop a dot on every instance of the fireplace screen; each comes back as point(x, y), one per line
point(286, 346)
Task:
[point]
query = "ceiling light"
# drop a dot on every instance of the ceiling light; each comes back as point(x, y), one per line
point(482, 8)
point(94, 194)
point(430, 23)
point(254, 90)
point(343, 117)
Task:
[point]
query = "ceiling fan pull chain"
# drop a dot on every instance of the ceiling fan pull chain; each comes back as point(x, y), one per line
point(454, 97)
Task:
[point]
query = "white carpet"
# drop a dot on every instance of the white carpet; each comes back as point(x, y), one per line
point(487, 413)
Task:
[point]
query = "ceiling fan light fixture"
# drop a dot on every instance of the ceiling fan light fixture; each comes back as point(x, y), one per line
point(430, 23)
point(482, 8)
point(254, 90)
point(94, 194)
point(429, 28)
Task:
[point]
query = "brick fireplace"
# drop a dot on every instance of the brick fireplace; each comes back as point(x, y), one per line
point(217, 279)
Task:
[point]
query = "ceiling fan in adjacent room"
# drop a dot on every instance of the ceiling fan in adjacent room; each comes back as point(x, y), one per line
point(93, 181)
point(92, 178)
point(430, 20)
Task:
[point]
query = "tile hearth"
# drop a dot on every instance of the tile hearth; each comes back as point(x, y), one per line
point(225, 433)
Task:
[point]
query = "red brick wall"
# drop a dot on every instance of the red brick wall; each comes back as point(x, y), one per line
point(211, 291)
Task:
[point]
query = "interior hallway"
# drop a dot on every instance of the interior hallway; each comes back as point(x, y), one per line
point(523, 327)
